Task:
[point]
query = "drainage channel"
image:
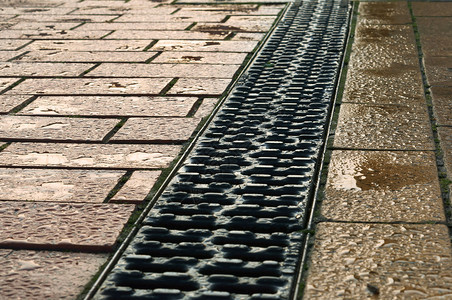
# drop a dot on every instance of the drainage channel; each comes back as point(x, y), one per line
point(230, 223)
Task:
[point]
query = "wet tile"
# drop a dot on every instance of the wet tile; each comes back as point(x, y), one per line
point(135, 26)
point(156, 129)
point(56, 185)
point(383, 127)
point(382, 186)
point(384, 12)
point(370, 261)
point(206, 107)
point(215, 46)
point(84, 86)
point(445, 135)
point(88, 155)
point(437, 9)
point(62, 226)
point(165, 70)
point(11, 45)
point(167, 34)
point(6, 82)
point(51, 34)
point(8, 102)
point(398, 37)
point(442, 104)
point(86, 45)
point(54, 128)
point(67, 56)
point(28, 274)
point(201, 58)
point(439, 70)
point(111, 106)
point(42, 69)
point(137, 187)
point(194, 86)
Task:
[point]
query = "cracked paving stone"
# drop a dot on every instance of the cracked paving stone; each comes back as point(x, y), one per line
point(439, 70)
point(55, 128)
point(89, 155)
point(201, 86)
point(157, 129)
point(87, 86)
point(201, 57)
point(43, 69)
point(8, 102)
point(87, 45)
point(394, 13)
point(28, 274)
point(137, 187)
point(62, 226)
point(382, 186)
point(445, 135)
point(111, 106)
point(196, 46)
point(385, 261)
point(57, 185)
point(384, 127)
point(65, 56)
point(442, 104)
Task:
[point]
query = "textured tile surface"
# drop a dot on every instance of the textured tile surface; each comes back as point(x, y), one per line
point(66, 56)
point(439, 70)
point(216, 46)
point(137, 187)
point(29, 274)
point(69, 226)
point(371, 186)
point(42, 69)
point(201, 86)
point(8, 102)
point(88, 155)
point(97, 45)
point(200, 57)
point(445, 135)
point(432, 9)
point(385, 13)
point(377, 261)
point(442, 104)
point(57, 185)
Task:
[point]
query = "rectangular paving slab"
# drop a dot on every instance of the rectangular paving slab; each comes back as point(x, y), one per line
point(199, 86)
point(382, 186)
point(215, 46)
point(54, 128)
point(57, 185)
point(137, 187)
point(167, 35)
point(85, 45)
point(200, 57)
point(8, 102)
point(29, 274)
point(11, 45)
point(51, 34)
point(442, 104)
point(6, 82)
point(111, 106)
point(135, 26)
point(384, 12)
point(98, 56)
point(379, 261)
point(89, 155)
point(58, 226)
point(43, 69)
point(439, 70)
point(445, 135)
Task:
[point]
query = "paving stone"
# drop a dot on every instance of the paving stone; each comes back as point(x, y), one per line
point(442, 104)
point(382, 186)
point(51, 34)
point(65, 18)
point(164, 70)
point(128, 18)
point(383, 127)
point(6, 82)
point(11, 45)
point(445, 135)
point(18, 10)
point(135, 26)
point(215, 46)
point(88, 155)
point(439, 70)
point(230, 9)
point(85, 86)
point(384, 261)
point(432, 9)
point(8, 102)
point(45, 25)
point(66, 56)
point(57, 185)
point(167, 34)
point(244, 23)
point(28, 274)
point(201, 58)
point(156, 129)
point(111, 106)
point(143, 10)
point(384, 13)
point(206, 107)
point(86, 45)
point(437, 45)
point(194, 86)
point(62, 226)
point(54, 128)
point(42, 69)
point(137, 187)
point(248, 36)
point(434, 26)
point(7, 55)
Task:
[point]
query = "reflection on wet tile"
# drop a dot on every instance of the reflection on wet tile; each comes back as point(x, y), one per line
point(370, 186)
point(377, 261)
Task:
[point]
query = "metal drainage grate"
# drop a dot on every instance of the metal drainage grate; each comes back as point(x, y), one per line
point(229, 224)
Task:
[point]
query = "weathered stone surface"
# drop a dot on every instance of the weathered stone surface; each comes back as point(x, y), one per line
point(442, 104)
point(165, 70)
point(43, 69)
point(382, 186)
point(206, 107)
point(18, 10)
point(8, 102)
point(156, 129)
point(251, 23)
point(167, 35)
point(384, 13)
point(111, 106)
point(230, 9)
point(432, 9)
point(434, 26)
point(194, 86)
point(6, 82)
point(437, 45)
point(143, 10)
point(66, 56)
point(55, 128)
point(170, 18)
point(87, 45)
point(88, 155)
point(439, 70)
point(248, 36)
point(201, 57)
point(369, 261)
point(7, 55)
point(85, 86)
point(29, 274)
point(57, 185)
point(135, 26)
point(215, 46)
point(65, 18)
point(11, 45)
point(445, 135)
point(137, 187)
point(384, 127)
point(45, 25)
point(51, 34)
point(71, 226)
